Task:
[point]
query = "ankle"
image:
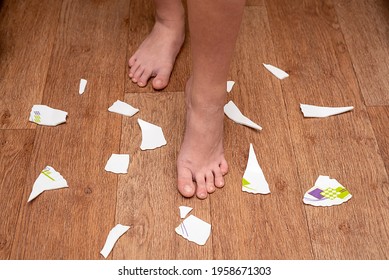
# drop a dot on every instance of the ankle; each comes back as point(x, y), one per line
point(211, 98)
point(173, 28)
point(171, 19)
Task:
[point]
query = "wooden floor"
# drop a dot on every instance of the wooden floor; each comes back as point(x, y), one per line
point(337, 54)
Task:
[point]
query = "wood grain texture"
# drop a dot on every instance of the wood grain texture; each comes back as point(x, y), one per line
point(141, 23)
point(379, 117)
point(254, 3)
point(365, 25)
point(248, 226)
point(335, 53)
point(73, 223)
point(310, 46)
point(27, 30)
point(15, 153)
point(147, 197)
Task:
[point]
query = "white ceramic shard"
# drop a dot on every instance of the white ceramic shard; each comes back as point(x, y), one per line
point(123, 108)
point(230, 85)
point(326, 192)
point(45, 115)
point(48, 179)
point(280, 74)
point(194, 229)
point(82, 87)
point(254, 180)
point(233, 112)
point(184, 210)
point(113, 236)
point(118, 163)
point(312, 111)
point(152, 136)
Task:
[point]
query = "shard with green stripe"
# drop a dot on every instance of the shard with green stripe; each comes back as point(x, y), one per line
point(245, 182)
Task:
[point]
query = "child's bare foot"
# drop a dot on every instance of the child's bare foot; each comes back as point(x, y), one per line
point(201, 164)
point(155, 57)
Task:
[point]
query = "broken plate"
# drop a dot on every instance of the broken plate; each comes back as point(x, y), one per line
point(82, 86)
point(230, 85)
point(123, 108)
point(280, 74)
point(118, 163)
point(194, 229)
point(48, 179)
point(45, 115)
point(235, 114)
point(184, 210)
point(113, 236)
point(326, 192)
point(311, 111)
point(253, 180)
point(152, 136)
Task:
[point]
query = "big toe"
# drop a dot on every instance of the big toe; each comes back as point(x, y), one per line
point(161, 80)
point(185, 182)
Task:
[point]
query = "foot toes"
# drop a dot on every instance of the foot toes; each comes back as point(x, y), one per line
point(137, 74)
point(162, 78)
point(201, 191)
point(131, 61)
point(185, 183)
point(133, 69)
point(219, 179)
point(210, 182)
point(144, 78)
point(224, 167)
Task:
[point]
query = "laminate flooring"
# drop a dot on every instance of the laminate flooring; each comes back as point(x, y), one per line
point(336, 53)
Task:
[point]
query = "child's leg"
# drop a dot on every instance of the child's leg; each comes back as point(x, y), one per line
point(214, 27)
point(155, 57)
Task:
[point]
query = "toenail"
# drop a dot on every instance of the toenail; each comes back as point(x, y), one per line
point(141, 84)
point(188, 189)
point(130, 75)
point(221, 184)
point(203, 195)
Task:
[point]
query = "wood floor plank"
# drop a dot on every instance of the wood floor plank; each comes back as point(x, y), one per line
point(248, 226)
point(27, 30)
point(147, 197)
point(254, 3)
point(379, 117)
point(310, 47)
point(366, 32)
point(73, 223)
point(141, 23)
point(15, 153)
point(336, 55)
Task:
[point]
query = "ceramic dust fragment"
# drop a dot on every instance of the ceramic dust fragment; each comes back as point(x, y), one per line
point(118, 163)
point(48, 179)
point(82, 86)
point(195, 230)
point(123, 108)
point(233, 112)
point(152, 136)
point(184, 210)
point(254, 180)
point(230, 85)
point(326, 192)
point(45, 115)
point(280, 74)
point(113, 236)
point(312, 111)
